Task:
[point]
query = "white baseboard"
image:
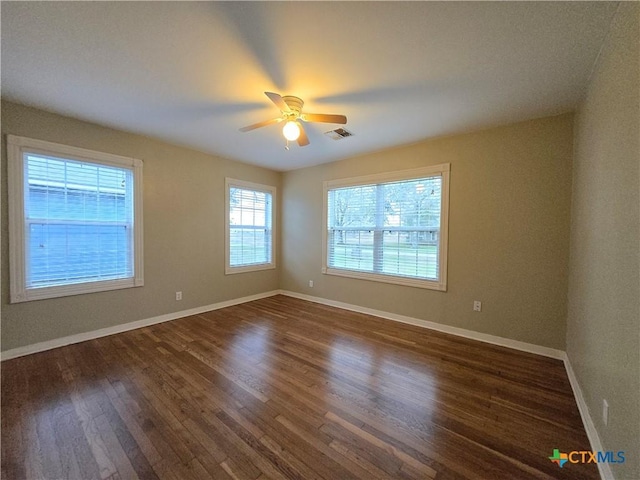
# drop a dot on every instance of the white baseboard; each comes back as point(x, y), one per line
point(103, 332)
point(460, 332)
point(594, 439)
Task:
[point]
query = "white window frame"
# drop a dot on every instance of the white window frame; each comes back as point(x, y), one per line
point(233, 183)
point(17, 147)
point(442, 170)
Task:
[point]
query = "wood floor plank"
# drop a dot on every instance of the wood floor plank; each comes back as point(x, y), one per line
point(373, 440)
point(90, 428)
point(39, 395)
point(12, 433)
point(289, 389)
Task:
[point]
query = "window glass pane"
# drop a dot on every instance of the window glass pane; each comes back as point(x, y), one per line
point(388, 228)
point(78, 222)
point(249, 227)
point(62, 254)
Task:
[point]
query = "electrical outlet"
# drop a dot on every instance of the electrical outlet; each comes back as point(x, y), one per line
point(605, 412)
point(178, 295)
point(477, 306)
point(311, 283)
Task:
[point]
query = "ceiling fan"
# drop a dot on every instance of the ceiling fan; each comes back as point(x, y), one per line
point(291, 112)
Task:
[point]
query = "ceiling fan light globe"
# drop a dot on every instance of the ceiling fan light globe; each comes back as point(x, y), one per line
point(291, 131)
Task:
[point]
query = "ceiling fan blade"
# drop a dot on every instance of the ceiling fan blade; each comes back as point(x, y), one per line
point(324, 118)
point(302, 139)
point(261, 124)
point(279, 102)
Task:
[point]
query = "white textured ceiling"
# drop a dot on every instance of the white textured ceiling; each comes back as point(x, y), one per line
point(193, 73)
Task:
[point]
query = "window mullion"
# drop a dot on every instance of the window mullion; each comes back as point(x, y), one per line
point(378, 232)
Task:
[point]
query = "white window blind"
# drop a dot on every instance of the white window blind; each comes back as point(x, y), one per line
point(388, 230)
point(75, 220)
point(249, 226)
point(78, 222)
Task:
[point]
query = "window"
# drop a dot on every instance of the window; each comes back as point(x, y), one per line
point(250, 219)
point(390, 227)
point(75, 220)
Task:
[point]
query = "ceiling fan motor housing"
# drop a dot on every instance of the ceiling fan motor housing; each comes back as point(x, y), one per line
point(294, 103)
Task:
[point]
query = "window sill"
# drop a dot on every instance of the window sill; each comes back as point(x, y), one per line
point(43, 293)
point(249, 268)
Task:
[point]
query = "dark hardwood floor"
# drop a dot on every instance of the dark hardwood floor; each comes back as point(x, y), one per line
point(284, 388)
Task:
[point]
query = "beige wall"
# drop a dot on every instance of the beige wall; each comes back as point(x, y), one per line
point(183, 233)
point(603, 337)
point(508, 231)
